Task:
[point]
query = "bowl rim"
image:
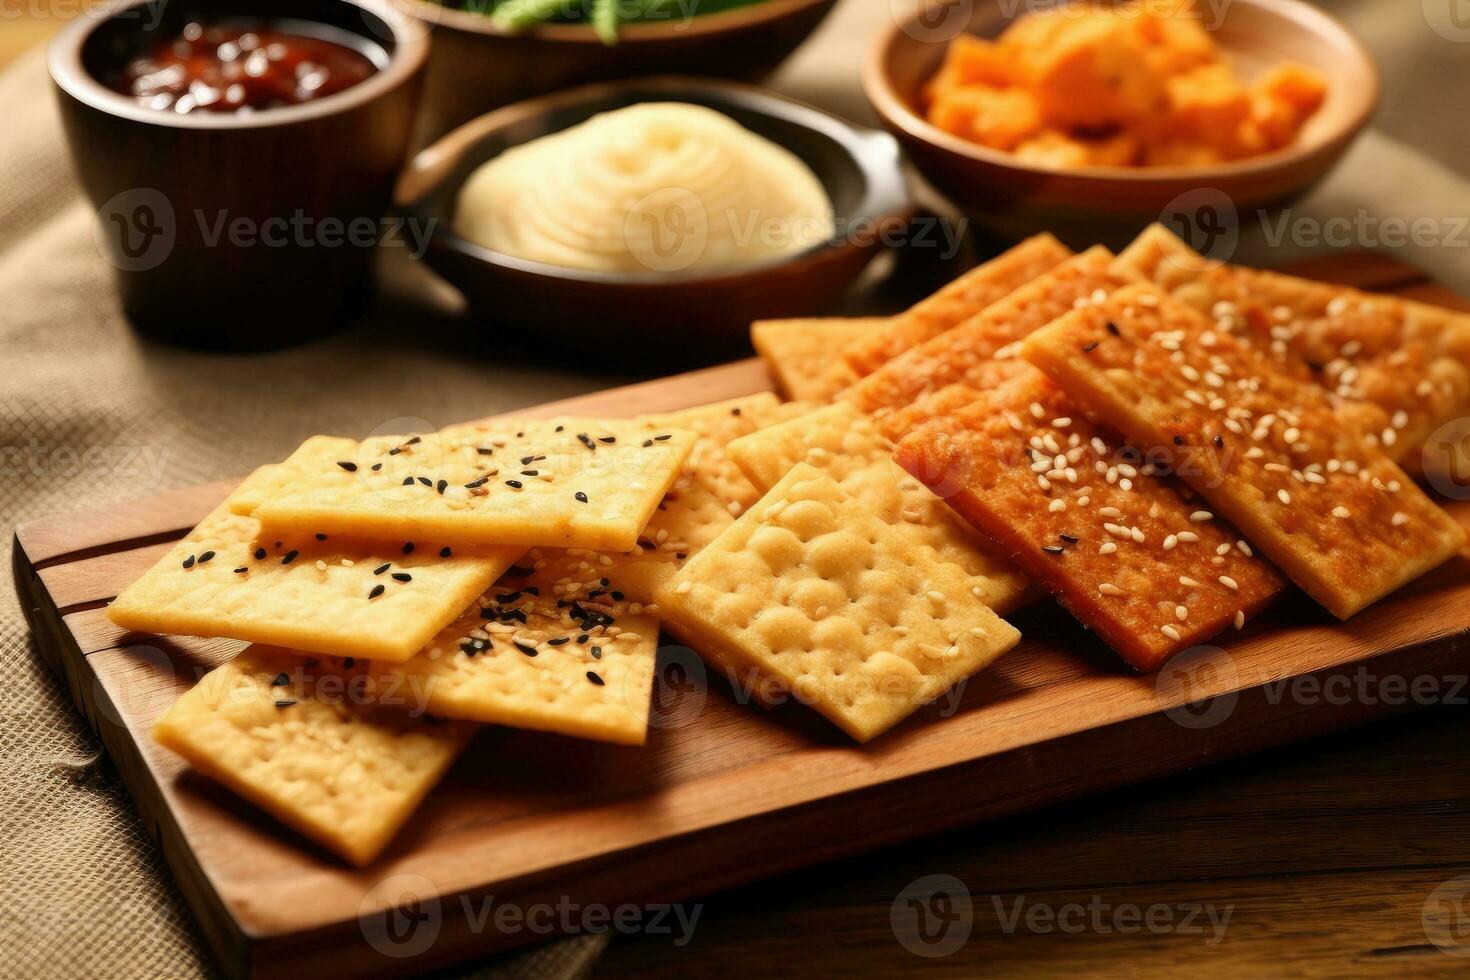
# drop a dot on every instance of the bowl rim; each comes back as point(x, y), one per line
point(887, 198)
point(883, 95)
point(723, 22)
point(409, 53)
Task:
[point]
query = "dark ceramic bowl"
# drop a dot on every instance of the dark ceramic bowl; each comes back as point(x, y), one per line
point(231, 231)
point(1111, 204)
point(668, 317)
point(476, 67)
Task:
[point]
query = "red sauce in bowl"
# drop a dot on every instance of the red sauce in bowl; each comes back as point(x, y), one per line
point(243, 67)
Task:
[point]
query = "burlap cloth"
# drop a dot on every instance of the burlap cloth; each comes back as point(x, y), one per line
point(88, 414)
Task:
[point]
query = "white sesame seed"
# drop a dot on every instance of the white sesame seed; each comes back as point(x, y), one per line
point(1400, 519)
point(1083, 500)
point(1389, 437)
point(1188, 537)
point(1107, 548)
point(1200, 516)
point(1170, 542)
point(1181, 613)
point(321, 566)
point(1188, 582)
point(1110, 512)
point(1240, 619)
point(1283, 496)
point(683, 588)
point(1229, 582)
point(1108, 588)
point(1138, 537)
point(1057, 506)
point(1169, 631)
point(1061, 423)
point(1245, 549)
point(1341, 512)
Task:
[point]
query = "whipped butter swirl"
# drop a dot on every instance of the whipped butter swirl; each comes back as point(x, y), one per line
point(656, 187)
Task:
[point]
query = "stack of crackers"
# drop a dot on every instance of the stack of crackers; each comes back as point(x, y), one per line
point(1161, 443)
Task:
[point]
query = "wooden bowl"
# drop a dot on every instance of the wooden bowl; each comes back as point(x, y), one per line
point(228, 231)
point(1109, 204)
point(667, 318)
point(476, 67)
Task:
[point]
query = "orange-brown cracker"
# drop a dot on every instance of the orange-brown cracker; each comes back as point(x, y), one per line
point(966, 353)
point(1121, 547)
point(1268, 451)
point(1409, 360)
point(957, 302)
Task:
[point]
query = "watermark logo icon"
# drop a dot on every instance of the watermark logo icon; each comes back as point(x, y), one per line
point(1450, 19)
point(1189, 682)
point(400, 916)
point(1447, 459)
point(668, 230)
point(135, 230)
point(1446, 917)
point(937, 20)
point(1207, 220)
point(680, 688)
point(932, 916)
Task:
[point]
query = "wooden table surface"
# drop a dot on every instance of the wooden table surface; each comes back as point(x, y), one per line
point(1323, 856)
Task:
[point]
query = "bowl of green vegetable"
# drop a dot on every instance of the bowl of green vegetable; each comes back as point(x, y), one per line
point(491, 53)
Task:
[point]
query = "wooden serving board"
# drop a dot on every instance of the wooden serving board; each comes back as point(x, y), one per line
point(724, 792)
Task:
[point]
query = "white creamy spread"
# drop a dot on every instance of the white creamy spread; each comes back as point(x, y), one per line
point(657, 187)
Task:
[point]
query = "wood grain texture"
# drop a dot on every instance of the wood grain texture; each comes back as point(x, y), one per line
point(528, 817)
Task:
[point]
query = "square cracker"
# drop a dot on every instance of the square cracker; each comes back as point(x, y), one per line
point(1269, 451)
point(957, 302)
point(1409, 361)
point(1121, 548)
point(322, 755)
point(803, 355)
point(813, 587)
point(225, 579)
point(846, 446)
point(967, 354)
point(543, 651)
point(561, 482)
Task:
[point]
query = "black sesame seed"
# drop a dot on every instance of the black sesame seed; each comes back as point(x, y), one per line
point(519, 571)
point(666, 436)
point(321, 537)
point(558, 641)
point(1089, 348)
point(735, 411)
point(408, 481)
point(520, 435)
point(205, 557)
point(377, 466)
point(382, 568)
point(349, 662)
point(530, 473)
point(1219, 442)
point(1178, 440)
point(609, 440)
point(289, 557)
point(377, 591)
point(426, 481)
point(476, 484)
point(513, 484)
point(604, 582)
point(284, 704)
point(402, 577)
point(445, 552)
point(441, 486)
point(529, 649)
point(259, 553)
point(414, 441)
point(560, 428)
point(580, 496)
point(1053, 549)
point(586, 440)
point(617, 596)
point(189, 562)
point(647, 443)
point(528, 460)
point(485, 451)
point(241, 570)
point(1069, 538)
point(395, 450)
point(592, 676)
point(582, 638)
point(408, 547)
point(280, 680)
point(1113, 329)
point(597, 653)
point(349, 467)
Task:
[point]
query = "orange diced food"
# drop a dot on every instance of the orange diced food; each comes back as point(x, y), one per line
point(997, 118)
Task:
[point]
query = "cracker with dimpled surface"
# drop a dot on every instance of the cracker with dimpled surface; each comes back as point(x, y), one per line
point(315, 747)
point(542, 650)
point(1273, 455)
point(966, 296)
point(1131, 554)
point(803, 356)
point(814, 587)
point(1408, 361)
point(323, 594)
point(847, 446)
point(967, 354)
point(576, 483)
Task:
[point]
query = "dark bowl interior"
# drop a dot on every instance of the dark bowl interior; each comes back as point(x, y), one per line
point(859, 169)
point(131, 32)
